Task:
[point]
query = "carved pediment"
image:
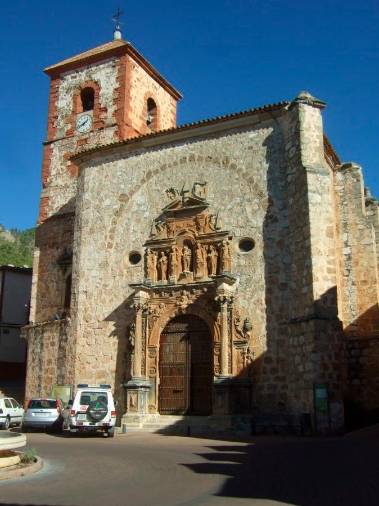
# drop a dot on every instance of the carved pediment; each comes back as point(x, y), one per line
point(183, 205)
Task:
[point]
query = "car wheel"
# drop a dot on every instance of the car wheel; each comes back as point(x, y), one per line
point(7, 423)
point(110, 432)
point(24, 428)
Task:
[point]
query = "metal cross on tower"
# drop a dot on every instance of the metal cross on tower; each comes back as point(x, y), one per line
point(116, 18)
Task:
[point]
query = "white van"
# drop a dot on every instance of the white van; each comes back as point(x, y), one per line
point(91, 410)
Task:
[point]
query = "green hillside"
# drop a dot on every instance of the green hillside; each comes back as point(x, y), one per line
point(16, 246)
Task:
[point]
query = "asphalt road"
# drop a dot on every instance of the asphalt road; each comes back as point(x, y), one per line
point(155, 470)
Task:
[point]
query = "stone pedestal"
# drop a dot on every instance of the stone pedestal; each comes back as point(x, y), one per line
point(221, 395)
point(137, 396)
point(231, 395)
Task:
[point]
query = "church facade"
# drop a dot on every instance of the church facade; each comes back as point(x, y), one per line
point(226, 268)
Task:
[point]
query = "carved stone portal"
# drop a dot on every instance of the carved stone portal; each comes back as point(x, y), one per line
point(188, 264)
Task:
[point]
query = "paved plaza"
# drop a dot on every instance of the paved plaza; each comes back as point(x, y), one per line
point(149, 469)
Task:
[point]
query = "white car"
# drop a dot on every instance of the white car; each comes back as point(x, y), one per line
point(11, 412)
point(91, 410)
point(43, 414)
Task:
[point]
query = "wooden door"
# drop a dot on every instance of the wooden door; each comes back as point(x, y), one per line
point(173, 370)
point(201, 374)
point(185, 367)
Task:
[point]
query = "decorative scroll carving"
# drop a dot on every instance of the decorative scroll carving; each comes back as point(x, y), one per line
point(199, 190)
point(160, 228)
point(172, 193)
point(132, 336)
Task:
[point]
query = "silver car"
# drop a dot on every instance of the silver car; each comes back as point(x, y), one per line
point(43, 414)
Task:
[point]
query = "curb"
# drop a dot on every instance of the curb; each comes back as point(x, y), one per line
point(10, 440)
point(23, 471)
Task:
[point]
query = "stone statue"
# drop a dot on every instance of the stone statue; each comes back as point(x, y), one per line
point(151, 265)
point(212, 260)
point(225, 257)
point(162, 266)
point(186, 258)
point(199, 261)
point(175, 257)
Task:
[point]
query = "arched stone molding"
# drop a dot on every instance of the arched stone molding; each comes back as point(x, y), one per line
point(172, 310)
point(212, 163)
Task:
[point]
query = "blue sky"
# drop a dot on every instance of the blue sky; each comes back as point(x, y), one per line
point(223, 55)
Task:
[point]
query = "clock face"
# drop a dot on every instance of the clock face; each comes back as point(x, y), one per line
point(84, 123)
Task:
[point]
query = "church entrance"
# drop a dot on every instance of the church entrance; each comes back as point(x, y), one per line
point(185, 367)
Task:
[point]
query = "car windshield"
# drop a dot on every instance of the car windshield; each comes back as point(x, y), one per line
point(87, 397)
point(42, 404)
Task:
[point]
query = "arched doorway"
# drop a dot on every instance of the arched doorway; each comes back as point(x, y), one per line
point(185, 367)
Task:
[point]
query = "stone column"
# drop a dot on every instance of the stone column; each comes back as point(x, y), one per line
point(224, 301)
point(139, 386)
point(139, 304)
point(222, 383)
point(224, 296)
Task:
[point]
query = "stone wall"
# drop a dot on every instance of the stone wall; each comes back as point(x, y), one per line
point(53, 248)
point(358, 238)
point(312, 331)
point(358, 226)
point(141, 87)
point(50, 355)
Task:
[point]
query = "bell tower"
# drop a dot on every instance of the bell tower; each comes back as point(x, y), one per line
point(106, 94)
point(102, 96)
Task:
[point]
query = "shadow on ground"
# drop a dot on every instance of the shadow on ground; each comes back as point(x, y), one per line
point(306, 472)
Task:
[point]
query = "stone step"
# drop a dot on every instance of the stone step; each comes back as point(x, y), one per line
point(187, 424)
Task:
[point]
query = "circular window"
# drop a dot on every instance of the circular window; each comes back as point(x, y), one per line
point(135, 257)
point(246, 244)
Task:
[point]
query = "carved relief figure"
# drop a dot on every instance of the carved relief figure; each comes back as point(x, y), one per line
point(212, 221)
point(186, 258)
point(162, 266)
point(200, 223)
point(212, 260)
point(170, 227)
point(200, 261)
point(159, 228)
point(151, 264)
point(225, 257)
